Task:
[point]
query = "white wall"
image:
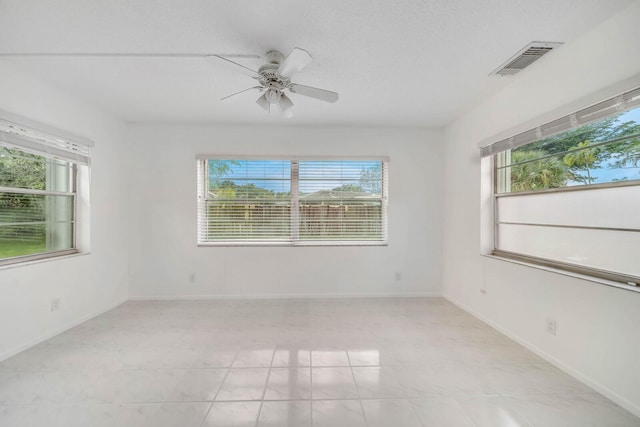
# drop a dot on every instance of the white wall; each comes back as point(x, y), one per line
point(597, 336)
point(86, 284)
point(163, 204)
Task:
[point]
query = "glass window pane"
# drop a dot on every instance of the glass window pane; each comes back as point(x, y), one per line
point(30, 171)
point(341, 175)
point(248, 200)
point(341, 220)
point(341, 200)
point(32, 223)
point(601, 152)
point(234, 220)
point(22, 170)
point(251, 200)
point(249, 179)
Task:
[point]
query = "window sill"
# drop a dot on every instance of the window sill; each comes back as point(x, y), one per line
point(586, 277)
point(19, 264)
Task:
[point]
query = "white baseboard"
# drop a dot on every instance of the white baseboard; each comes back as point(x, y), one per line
point(24, 346)
point(284, 296)
point(580, 376)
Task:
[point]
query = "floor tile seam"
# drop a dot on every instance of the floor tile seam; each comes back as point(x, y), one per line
point(117, 403)
point(310, 379)
point(430, 395)
point(264, 391)
point(206, 413)
point(311, 384)
point(344, 366)
point(355, 383)
point(177, 402)
point(167, 401)
point(403, 388)
point(198, 367)
point(226, 375)
point(415, 414)
point(559, 394)
point(555, 394)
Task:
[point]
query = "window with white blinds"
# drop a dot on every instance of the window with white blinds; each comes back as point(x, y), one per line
point(292, 202)
point(567, 194)
point(38, 191)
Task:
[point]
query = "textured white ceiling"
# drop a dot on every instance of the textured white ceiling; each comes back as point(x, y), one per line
point(395, 63)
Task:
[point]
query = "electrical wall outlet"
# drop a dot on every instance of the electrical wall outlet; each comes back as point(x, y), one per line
point(192, 278)
point(55, 304)
point(398, 276)
point(551, 326)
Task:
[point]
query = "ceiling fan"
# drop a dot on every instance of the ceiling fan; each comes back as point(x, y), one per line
point(274, 77)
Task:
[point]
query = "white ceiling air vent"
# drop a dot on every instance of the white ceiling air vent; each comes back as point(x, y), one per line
point(525, 57)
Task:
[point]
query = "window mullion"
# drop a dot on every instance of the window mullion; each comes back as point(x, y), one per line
point(385, 200)
point(203, 187)
point(74, 189)
point(295, 203)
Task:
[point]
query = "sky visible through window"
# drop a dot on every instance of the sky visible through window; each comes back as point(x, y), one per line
point(597, 152)
point(314, 175)
point(607, 172)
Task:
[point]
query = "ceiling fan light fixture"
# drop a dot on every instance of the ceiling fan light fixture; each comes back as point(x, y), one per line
point(273, 95)
point(286, 107)
point(264, 103)
point(285, 103)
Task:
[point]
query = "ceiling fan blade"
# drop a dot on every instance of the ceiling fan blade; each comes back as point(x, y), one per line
point(238, 93)
point(251, 72)
point(264, 103)
point(312, 92)
point(123, 55)
point(294, 62)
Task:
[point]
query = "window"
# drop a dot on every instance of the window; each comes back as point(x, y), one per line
point(291, 202)
point(567, 194)
point(38, 193)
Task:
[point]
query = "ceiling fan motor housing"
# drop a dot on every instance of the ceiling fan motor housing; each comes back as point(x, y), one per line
point(274, 57)
point(270, 78)
point(273, 83)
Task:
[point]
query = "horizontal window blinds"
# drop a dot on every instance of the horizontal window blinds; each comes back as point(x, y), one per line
point(55, 145)
point(601, 110)
point(291, 201)
point(341, 200)
point(246, 199)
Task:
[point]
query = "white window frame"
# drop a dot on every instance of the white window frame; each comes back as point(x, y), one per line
point(29, 136)
point(616, 100)
point(201, 167)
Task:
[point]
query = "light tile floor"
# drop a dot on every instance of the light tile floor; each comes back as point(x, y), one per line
point(338, 362)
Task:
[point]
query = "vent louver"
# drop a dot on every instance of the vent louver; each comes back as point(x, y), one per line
point(527, 56)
